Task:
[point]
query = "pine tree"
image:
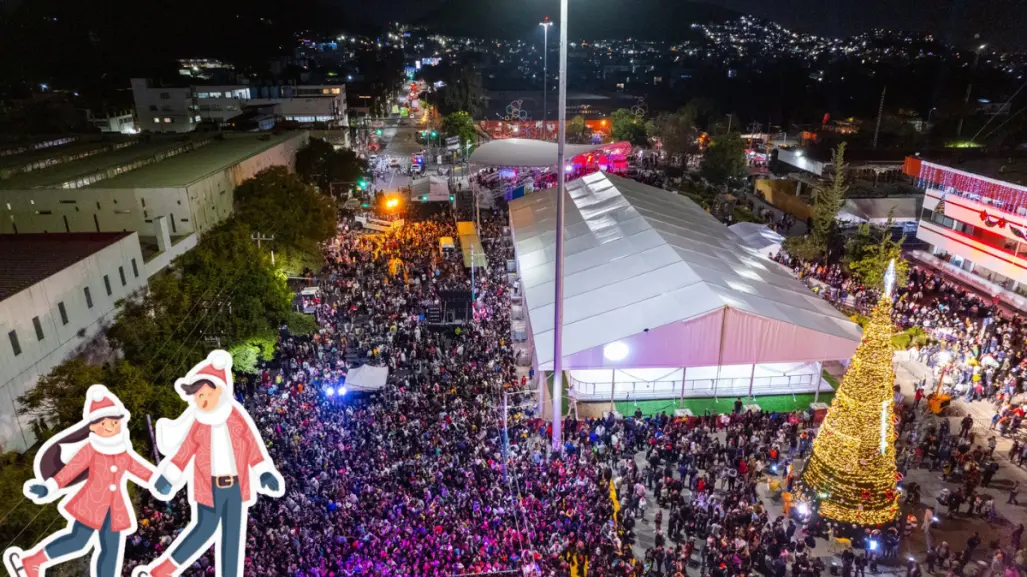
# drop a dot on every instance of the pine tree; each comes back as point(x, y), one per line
point(850, 477)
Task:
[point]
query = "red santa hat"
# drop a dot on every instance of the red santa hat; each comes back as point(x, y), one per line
point(101, 403)
point(217, 369)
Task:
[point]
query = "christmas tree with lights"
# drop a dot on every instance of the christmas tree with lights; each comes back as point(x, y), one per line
point(850, 477)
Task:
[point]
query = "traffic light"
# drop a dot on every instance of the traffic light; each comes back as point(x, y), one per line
point(424, 198)
point(451, 198)
point(362, 183)
point(378, 132)
point(433, 134)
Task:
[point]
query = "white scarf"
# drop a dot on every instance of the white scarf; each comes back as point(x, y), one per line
point(105, 445)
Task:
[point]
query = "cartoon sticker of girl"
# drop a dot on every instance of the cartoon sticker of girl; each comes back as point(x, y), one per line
point(87, 464)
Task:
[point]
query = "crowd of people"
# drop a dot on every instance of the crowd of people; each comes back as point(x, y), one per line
point(413, 480)
point(418, 478)
point(977, 345)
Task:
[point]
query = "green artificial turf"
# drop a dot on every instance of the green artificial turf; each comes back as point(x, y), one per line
point(775, 403)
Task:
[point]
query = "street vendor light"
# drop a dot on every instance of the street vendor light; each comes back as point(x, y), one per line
point(392, 203)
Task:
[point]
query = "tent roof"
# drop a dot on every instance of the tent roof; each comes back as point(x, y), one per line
point(524, 152)
point(756, 235)
point(646, 263)
point(876, 210)
point(367, 378)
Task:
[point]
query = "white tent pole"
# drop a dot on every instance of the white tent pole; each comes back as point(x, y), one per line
point(720, 355)
point(752, 377)
point(613, 384)
point(816, 380)
point(684, 377)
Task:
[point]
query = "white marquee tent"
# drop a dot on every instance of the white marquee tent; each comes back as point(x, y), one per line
point(367, 378)
point(758, 236)
point(653, 281)
point(524, 152)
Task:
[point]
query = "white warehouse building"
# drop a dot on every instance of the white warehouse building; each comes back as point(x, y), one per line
point(57, 291)
point(168, 190)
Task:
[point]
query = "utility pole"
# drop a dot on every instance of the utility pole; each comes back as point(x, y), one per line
point(561, 178)
point(261, 238)
point(880, 112)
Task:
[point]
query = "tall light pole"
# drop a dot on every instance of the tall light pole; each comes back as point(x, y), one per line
point(545, 24)
point(558, 272)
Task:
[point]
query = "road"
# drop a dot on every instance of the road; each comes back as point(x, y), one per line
point(399, 142)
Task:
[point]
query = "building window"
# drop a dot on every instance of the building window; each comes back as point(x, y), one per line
point(89, 297)
point(107, 284)
point(156, 120)
point(15, 346)
point(64, 313)
point(165, 96)
point(153, 108)
point(38, 326)
point(135, 268)
point(167, 120)
point(121, 273)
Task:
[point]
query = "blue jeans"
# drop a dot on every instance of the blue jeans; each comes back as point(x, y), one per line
point(78, 538)
point(227, 513)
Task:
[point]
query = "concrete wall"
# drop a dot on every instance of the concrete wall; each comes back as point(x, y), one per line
point(69, 210)
point(193, 209)
point(19, 373)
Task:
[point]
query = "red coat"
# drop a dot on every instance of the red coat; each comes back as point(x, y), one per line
point(103, 490)
point(246, 447)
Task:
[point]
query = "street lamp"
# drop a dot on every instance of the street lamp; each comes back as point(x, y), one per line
point(545, 24)
point(561, 176)
point(929, 113)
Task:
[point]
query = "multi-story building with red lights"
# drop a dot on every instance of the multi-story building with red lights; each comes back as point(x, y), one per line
point(975, 220)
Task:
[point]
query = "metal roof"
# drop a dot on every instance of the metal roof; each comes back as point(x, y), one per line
point(26, 259)
point(638, 258)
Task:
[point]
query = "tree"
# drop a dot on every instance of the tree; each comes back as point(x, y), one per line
point(276, 202)
point(577, 131)
point(58, 397)
point(677, 133)
point(22, 520)
point(850, 477)
point(462, 91)
point(724, 161)
point(224, 288)
point(625, 126)
point(461, 125)
point(828, 198)
point(319, 164)
point(827, 201)
point(247, 355)
point(869, 254)
point(301, 324)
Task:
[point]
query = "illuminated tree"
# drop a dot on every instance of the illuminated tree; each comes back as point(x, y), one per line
point(850, 477)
